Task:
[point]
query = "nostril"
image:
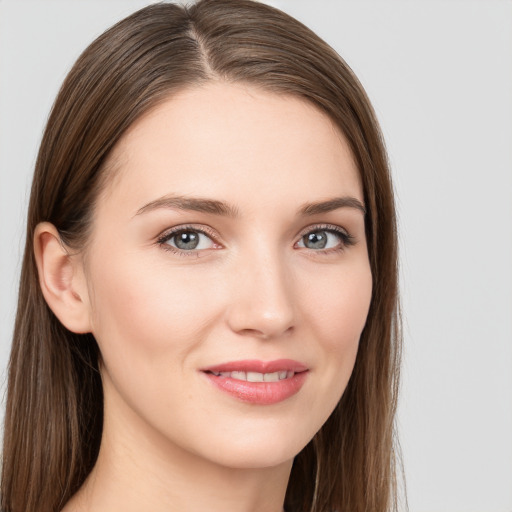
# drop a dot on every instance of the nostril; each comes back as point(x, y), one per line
point(255, 333)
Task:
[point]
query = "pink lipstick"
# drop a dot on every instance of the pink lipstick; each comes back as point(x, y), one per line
point(258, 382)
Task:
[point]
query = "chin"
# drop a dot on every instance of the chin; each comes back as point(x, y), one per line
point(259, 448)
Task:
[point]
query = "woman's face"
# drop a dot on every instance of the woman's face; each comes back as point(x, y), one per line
point(228, 248)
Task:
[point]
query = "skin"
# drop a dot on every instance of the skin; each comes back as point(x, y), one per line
point(252, 290)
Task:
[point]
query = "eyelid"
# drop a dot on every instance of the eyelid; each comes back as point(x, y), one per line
point(327, 227)
point(206, 230)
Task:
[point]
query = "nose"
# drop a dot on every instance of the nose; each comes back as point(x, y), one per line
point(261, 296)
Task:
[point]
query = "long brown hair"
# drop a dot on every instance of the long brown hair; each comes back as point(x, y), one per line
point(53, 422)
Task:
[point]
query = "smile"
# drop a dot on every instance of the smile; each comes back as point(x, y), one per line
point(256, 376)
point(258, 382)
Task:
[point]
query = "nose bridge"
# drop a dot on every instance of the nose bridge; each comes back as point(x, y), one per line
point(262, 294)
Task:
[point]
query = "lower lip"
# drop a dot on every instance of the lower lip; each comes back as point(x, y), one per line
point(260, 393)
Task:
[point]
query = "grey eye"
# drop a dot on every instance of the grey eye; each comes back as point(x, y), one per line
point(321, 239)
point(189, 240)
point(316, 240)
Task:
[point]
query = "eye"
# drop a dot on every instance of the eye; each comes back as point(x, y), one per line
point(325, 238)
point(186, 239)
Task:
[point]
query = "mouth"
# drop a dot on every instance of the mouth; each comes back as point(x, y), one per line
point(258, 382)
point(256, 376)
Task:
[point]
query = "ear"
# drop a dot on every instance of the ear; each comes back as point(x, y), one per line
point(62, 279)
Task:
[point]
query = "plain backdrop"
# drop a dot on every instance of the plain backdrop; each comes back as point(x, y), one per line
point(439, 73)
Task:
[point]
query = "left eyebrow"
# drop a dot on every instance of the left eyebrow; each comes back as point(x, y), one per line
point(331, 205)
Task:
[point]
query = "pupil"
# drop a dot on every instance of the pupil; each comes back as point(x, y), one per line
point(187, 240)
point(316, 240)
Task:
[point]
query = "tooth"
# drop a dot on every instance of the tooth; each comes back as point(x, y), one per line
point(282, 375)
point(289, 374)
point(254, 377)
point(224, 374)
point(271, 377)
point(238, 375)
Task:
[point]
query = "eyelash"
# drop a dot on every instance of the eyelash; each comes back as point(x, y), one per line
point(346, 240)
point(165, 237)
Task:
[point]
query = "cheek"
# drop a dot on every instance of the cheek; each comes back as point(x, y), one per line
point(338, 316)
point(339, 308)
point(148, 329)
point(144, 310)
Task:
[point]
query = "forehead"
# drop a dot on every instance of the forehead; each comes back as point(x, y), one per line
point(237, 143)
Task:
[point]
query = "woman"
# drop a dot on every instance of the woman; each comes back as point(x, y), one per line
point(208, 305)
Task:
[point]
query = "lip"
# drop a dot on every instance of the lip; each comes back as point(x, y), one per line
point(254, 365)
point(260, 393)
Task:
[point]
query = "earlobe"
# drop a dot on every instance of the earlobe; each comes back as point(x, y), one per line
point(62, 279)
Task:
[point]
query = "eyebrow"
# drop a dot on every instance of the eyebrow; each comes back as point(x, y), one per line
point(197, 204)
point(332, 204)
point(213, 206)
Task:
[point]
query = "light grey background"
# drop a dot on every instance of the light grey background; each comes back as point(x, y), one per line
point(439, 73)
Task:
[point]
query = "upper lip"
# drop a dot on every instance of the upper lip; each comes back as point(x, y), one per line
point(255, 365)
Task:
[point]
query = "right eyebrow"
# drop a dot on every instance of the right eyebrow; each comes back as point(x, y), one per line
point(198, 204)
